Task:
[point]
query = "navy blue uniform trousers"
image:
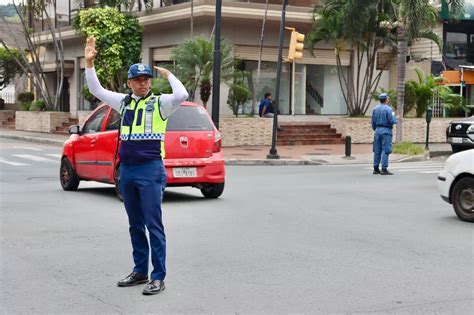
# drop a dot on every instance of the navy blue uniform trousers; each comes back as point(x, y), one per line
point(142, 187)
point(382, 149)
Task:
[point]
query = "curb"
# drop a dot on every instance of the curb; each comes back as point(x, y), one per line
point(34, 139)
point(269, 162)
point(439, 153)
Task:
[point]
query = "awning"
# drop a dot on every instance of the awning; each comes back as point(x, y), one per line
point(454, 77)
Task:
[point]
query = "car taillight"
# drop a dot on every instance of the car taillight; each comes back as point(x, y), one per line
point(217, 142)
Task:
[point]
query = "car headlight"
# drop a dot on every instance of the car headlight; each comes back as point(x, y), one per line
point(470, 129)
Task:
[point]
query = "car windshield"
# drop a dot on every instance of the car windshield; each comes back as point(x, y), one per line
point(189, 118)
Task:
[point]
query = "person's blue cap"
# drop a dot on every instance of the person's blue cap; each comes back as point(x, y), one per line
point(139, 69)
point(383, 96)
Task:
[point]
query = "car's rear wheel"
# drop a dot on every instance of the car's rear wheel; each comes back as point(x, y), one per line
point(67, 176)
point(117, 184)
point(463, 198)
point(212, 191)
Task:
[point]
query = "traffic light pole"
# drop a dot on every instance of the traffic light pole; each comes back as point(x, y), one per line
point(273, 154)
point(216, 71)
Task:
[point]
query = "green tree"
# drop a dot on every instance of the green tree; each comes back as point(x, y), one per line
point(357, 26)
point(9, 69)
point(239, 92)
point(414, 19)
point(194, 63)
point(118, 41)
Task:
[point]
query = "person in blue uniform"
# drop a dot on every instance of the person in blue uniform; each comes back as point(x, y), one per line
point(383, 119)
point(142, 174)
point(265, 109)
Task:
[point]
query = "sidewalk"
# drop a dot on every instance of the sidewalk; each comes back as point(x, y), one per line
point(324, 154)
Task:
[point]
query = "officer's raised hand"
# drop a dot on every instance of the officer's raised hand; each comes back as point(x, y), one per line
point(90, 52)
point(163, 72)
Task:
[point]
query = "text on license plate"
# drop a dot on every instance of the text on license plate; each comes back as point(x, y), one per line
point(180, 172)
point(457, 140)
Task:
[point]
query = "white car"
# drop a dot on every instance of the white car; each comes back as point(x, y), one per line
point(456, 184)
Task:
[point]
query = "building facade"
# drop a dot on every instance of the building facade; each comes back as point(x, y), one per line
point(311, 88)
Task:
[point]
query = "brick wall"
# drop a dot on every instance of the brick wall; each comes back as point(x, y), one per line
point(5, 114)
point(40, 121)
point(414, 129)
point(246, 131)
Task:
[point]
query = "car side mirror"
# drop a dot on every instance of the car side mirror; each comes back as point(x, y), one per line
point(75, 130)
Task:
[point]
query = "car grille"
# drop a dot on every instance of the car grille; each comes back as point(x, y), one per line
point(461, 131)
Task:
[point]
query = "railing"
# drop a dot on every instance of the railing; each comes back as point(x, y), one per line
point(314, 93)
point(9, 98)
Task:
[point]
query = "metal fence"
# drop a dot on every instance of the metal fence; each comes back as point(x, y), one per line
point(9, 98)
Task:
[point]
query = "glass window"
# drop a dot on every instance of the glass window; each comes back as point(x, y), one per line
point(456, 45)
point(94, 124)
point(86, 100)
point(189, 118)
point(113, 122)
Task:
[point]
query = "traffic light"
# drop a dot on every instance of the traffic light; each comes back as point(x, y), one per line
point(296, 46)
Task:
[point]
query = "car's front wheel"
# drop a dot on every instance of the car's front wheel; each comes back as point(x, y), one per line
point(212, 191)
point(67, 176)
point(117, 184)
point(463, 198)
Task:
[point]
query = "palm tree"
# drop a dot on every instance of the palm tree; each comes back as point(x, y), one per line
point(194, 63)
point(355, 26)
point(414, 18)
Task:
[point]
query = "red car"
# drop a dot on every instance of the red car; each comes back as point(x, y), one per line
point(193, 151)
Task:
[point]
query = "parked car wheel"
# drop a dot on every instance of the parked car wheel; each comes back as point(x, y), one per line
point(463, 199)
point(212, 191)
point(456, 148)
point(117, 184)
point(67, 176)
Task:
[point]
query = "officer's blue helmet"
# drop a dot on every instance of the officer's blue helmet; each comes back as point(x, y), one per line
point(383, 97)
point(139, 69)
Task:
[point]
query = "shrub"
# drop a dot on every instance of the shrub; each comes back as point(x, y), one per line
point(26, 97)
point(407, 148)
point(39, 105)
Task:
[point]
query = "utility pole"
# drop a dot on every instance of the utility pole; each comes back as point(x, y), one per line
point(273, 154)
point(216, 71)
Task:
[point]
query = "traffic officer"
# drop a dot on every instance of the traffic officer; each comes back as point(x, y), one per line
point(383, 119)
point(142, 175)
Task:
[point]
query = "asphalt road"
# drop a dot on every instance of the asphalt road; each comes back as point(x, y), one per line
point(306, 239)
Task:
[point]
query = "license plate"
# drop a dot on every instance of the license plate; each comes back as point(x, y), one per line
point(456, 140)
point(182, 172)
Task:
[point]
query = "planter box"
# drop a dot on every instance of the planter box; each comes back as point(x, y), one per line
point(414, 129)
point(40, 121)
point(5, 115)
point(246, 131)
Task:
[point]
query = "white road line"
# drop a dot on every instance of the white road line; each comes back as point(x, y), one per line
point(419, 170)
point(429, 172)
point(54, 155)
point(12, 163)
point(399, 167)
point(34, 158)
point(27, 148)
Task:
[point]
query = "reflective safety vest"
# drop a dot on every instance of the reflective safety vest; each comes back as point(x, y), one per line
point(142, 121)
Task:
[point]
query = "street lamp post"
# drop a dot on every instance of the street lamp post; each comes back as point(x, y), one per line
point(216, 71)
point(273, 154)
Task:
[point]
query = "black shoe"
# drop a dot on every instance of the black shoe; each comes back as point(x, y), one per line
point(133, 279)
point(385, 172)
point(376, 171)
point(154, 287)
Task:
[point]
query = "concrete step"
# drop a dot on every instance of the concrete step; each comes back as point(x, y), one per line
point(308, 136)
point(310, 142)
point(325, 131)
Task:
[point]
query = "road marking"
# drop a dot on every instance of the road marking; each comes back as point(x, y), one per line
point(55, 155)
point(34, 158)
point(12, 163)
point(27, 148)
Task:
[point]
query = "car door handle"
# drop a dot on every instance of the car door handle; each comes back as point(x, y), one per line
point(93, 141)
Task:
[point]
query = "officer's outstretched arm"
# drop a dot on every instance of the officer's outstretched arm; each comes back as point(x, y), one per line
point(170, 102)
point(112, 99)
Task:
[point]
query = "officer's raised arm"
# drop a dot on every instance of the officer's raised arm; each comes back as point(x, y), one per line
point(170, 102)
point(113, 99)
